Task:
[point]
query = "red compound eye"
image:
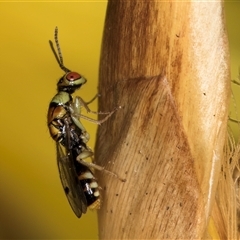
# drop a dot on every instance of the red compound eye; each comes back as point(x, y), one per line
point(72, 76)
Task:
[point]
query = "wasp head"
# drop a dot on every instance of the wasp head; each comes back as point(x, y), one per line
point(70, 82)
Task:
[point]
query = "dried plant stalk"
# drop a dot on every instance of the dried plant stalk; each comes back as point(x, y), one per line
point(166, 64)
point(226, 212)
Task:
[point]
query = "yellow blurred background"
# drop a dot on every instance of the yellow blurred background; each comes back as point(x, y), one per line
point(32, 201)
point(233, 28)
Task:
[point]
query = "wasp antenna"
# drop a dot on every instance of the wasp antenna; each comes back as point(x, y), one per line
point(59, 58)
point(54, 52)
point(58, 46)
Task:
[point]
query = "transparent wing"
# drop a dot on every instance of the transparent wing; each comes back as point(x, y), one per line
point(70, 182)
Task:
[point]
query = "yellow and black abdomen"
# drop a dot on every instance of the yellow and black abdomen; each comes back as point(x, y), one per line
point(90, 186)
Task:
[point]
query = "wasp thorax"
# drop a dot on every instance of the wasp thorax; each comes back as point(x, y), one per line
point(70, 82)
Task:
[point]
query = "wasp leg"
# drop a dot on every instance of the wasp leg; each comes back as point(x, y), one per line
point(75, 118)
point(75, 109)
point(85, 136)
point(78, 102)
point(96, 96)
point(99, 122)
point(86, 154)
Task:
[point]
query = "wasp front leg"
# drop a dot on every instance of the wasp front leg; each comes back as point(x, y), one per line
point(96, 96)
point(79, 102)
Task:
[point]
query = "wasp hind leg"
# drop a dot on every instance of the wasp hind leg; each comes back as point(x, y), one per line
point(86, 154)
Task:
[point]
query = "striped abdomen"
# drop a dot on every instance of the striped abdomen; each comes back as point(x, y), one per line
point(89, 185)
